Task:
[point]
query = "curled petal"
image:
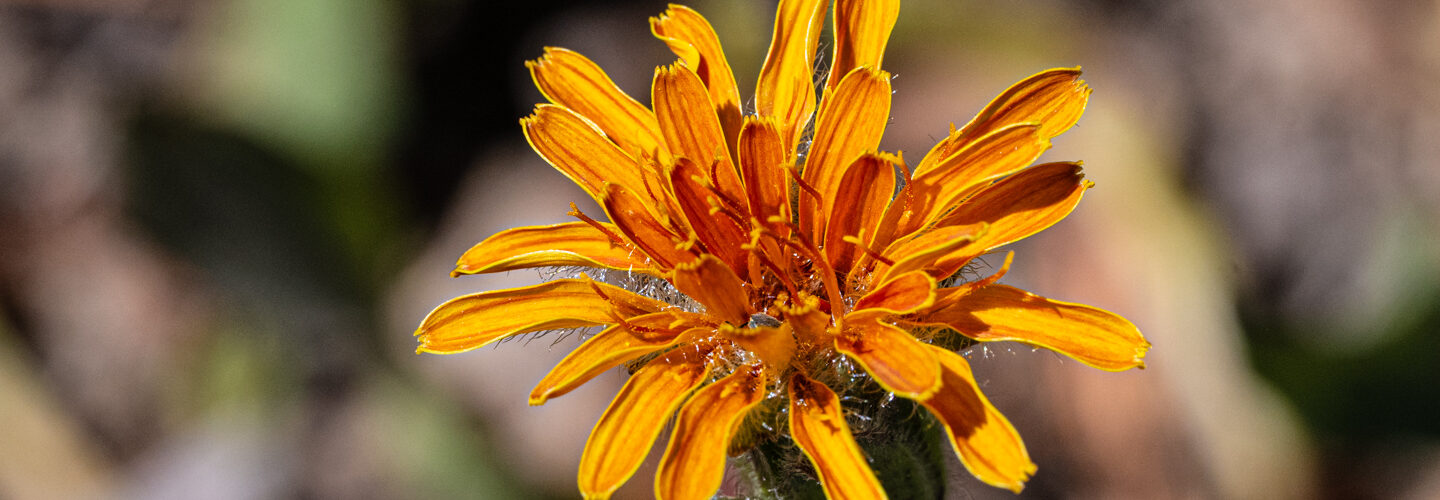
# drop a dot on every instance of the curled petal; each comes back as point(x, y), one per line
point(577, 148)
point(565, 244)
point(694, 460)
point(476, 320)
point(633, 217)
point(818, 425)
point(892, 356)
point(571, 80)
point(690, 36)
point(622, 437)
point(1054, 98)
point(615, 345)
point(862, 29)
point(786, 90)
point(713, 284)
point(902, 294)
point(1093, 336)
point(850, 122)
point(984, 440)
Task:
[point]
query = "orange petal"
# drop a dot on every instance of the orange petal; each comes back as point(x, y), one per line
point(618, 344)
point(690, 36)
point(762, 167)
point(714, 285)
point(985, 441)
point(623, 435)
point(694, 461)
point(773, 345)
point(892, 356)
point(811, 325)
point(1091, 335)
point(944, 297)
point(571, 80)
point(851, 121)
point(862, 29)
point(476, 320)
point(921, 253)
point(861, 197)
point(1017, 207)
point(564, 244)
point(975, 166)
point(721, 235)
point(632, 216)
point(818, 425)
point(578, 149)
point(786, 89)
point(902, 294)
point(1054, 98)
point(688, 121)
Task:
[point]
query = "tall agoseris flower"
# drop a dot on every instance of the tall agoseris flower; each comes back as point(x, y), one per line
point(742, 275)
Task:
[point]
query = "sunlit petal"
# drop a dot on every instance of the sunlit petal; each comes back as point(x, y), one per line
point(775, 345)
point(902, 294)
point(892, 356)
point(786, 90)
point(615, 345)
point(713, 284)
point(694, 460)
point(623, 436)
point(809, 322)
point(861, 197)
point(986, 443)
point(688, 122)
point(818, 425)
point(850, 123)
point(569, 79)
point(978, 164)
point(862, 29)
point(1054, 98)
point(922, 252)
point(762, 167)
point(634, 218)
point(945, 297)
point(577, 148)
point(1017, 207)
point(721, 235)
point(476, 320)
point(565, 244)
point(690, 36)
point(1091, 335)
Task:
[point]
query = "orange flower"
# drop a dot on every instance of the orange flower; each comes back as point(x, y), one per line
point(762, 270)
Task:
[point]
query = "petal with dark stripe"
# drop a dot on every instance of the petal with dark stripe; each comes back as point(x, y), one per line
point(476, 320)
point(986, 443)
point(623, 436)
point(1091, 335)
point(694, 461)
point(564, 244)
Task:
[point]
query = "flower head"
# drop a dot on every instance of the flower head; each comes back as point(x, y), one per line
point(741, 273)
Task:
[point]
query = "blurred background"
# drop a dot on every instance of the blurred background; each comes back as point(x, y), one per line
point(220, 223)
